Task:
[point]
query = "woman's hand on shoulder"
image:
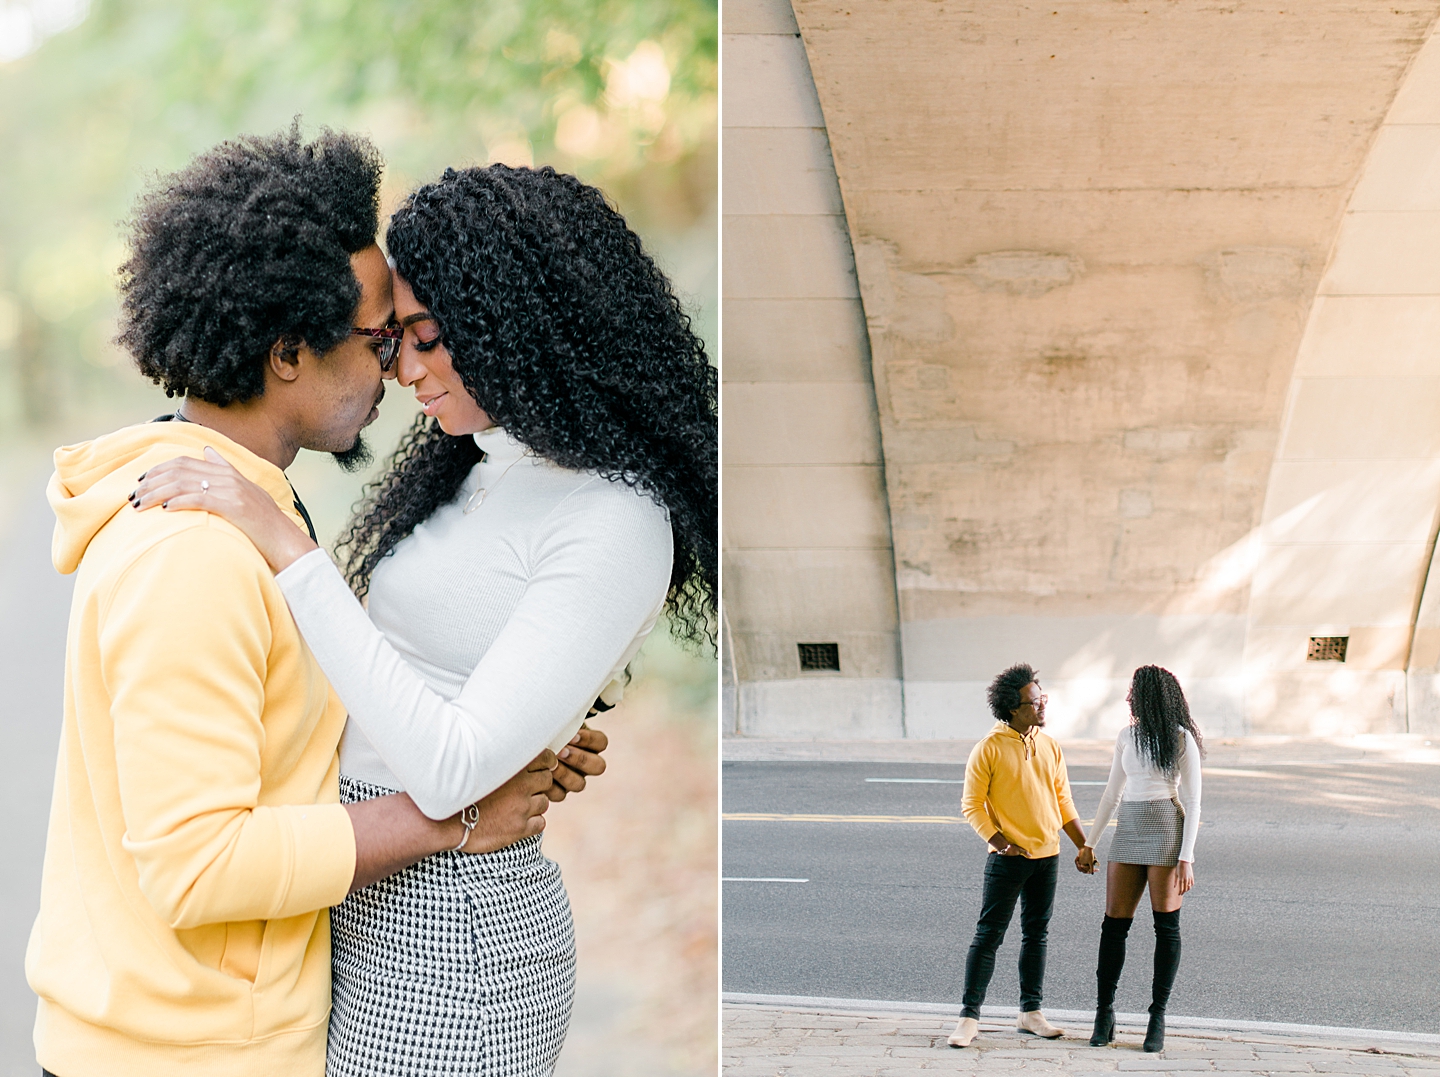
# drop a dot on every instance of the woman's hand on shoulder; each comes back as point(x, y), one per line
point(214, 486)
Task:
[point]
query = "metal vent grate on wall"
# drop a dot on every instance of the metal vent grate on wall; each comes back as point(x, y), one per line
point(1327, 649)
point(819, 656)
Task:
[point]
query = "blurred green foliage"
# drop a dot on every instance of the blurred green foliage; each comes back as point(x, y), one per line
point(621, 92)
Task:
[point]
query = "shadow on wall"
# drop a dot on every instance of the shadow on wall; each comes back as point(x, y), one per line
point(1085, 665)
point(1243, 672)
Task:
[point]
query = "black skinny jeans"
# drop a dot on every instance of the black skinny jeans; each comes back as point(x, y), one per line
point(1006, 879)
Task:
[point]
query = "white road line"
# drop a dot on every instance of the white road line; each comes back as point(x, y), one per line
point(778, 817)
point(730, 879)
point(945, 781)
point(919, 781)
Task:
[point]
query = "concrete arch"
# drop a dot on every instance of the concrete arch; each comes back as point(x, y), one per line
point(1353, 500)
point(808, 554)
point(1124, 273)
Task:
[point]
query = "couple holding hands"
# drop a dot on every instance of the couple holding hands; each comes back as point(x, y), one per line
point(1017, 797)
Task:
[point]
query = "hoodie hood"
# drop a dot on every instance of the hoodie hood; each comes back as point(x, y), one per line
point(93, 480)
point(1027, 740)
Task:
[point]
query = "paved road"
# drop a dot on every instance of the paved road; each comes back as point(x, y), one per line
point(34, 606)
point(1317, 902)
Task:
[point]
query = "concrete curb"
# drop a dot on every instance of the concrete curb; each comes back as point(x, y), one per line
point(1269, 1031)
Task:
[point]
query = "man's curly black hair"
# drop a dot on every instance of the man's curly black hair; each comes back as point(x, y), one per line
point(570, 338)
point(1003, 695)
point(247, 245)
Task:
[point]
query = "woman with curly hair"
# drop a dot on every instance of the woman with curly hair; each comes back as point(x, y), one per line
point(1157, 768)
point(557, 494)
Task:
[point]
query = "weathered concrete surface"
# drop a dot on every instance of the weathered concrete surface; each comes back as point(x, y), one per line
point(807, 525)
point(1089, 242)
point(1350, 517)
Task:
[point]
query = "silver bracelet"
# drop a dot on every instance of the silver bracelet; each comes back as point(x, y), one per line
point(468, 819)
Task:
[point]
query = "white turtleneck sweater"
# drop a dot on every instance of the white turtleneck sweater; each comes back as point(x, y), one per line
point(1139, 779)
point(491, 632)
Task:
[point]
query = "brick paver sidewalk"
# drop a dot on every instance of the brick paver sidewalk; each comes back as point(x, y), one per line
point(771, 1041)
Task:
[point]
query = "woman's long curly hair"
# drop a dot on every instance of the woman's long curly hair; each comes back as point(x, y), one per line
point(1158, 715)
point(571, 339)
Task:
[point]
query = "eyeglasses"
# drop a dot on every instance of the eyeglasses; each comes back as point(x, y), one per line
point(389, 349)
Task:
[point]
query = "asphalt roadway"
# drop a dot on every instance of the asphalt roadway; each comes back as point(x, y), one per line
point(1317, 897)
point(34, 608)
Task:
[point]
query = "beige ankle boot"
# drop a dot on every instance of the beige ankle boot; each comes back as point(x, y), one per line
point(966, 1029)
point(1035, 1022)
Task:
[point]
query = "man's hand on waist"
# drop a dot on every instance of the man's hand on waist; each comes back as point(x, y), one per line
point(516, 810)
point(580, 759)
point(1004, 846)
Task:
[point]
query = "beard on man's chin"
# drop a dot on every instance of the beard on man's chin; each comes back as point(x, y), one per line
point(356, 458)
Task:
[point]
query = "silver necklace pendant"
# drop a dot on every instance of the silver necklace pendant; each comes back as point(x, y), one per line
point(480, 491)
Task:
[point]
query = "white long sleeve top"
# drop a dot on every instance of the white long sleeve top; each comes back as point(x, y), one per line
point(1132, 775)
point(490, 633)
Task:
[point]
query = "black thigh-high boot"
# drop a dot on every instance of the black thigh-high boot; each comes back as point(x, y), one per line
point(1107, 975)
point(1167, 961)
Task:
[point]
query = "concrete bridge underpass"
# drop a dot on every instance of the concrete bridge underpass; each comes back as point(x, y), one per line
point(1088, 334)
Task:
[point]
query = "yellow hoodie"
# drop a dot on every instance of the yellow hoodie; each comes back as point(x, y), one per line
point(1020, 787)
point(196, 840)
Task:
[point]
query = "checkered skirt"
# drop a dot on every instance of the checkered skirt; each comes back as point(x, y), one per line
point(1148, 832)
point(459, 964)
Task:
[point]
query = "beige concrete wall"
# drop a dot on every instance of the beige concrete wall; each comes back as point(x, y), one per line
point(806, 523)
point(1088, 238)
point(1351, 511)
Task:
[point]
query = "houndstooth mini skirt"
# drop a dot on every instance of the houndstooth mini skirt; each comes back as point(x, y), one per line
point(459, 964)
point(1148, 832)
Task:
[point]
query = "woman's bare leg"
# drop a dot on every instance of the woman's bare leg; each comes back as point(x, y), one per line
point(1124, 883)
point(1165, 894)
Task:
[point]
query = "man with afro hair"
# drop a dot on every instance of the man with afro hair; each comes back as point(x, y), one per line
point(196, 837)
point(1017, 798)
